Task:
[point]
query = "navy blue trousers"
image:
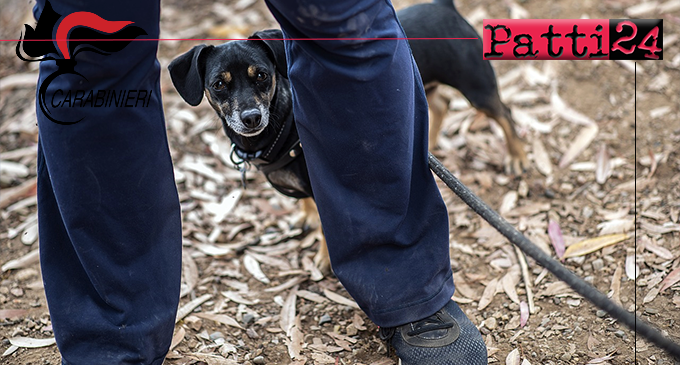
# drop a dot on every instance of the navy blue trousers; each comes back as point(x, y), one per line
point(362, 118)
point(108, 209)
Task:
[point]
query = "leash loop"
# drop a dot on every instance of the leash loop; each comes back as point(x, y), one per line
point(240, 164)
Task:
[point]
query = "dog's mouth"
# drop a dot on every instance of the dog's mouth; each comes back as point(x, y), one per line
point(247, 123)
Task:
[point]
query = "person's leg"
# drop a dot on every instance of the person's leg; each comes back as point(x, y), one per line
point(362, 117)
point(109, 216)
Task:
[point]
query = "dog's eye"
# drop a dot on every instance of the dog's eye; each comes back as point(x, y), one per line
point(261, 76)
point(219, 85)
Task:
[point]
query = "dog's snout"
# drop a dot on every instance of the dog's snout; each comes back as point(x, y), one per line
point(251, 118)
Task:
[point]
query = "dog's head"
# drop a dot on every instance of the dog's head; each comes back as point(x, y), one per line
point(238, 78)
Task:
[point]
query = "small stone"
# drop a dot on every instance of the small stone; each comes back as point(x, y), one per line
point(549, 194)
point(248, 318)
point(324, 319)
point(557, 301)
point(620, 334)
point(259, 360)
point(565, 357)
point(587, 212)
point(491, 323)
point(252, 333)
point(351, 330)
point(601, 313)
point(215, 335)
point(598, 264)
point(651, 311)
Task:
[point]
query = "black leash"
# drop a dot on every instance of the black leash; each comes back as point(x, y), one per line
point(579, 285)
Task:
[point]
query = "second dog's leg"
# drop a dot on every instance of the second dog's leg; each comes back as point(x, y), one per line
point(438, 105)
point(311, 220)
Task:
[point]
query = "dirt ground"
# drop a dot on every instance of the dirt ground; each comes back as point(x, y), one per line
point(597, 170)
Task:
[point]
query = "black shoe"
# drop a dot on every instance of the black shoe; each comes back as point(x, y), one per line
point(447, 337)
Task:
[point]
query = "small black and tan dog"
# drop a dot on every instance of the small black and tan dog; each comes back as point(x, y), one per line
point(246, 84)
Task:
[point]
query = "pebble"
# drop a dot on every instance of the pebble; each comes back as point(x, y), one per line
point(215, 335)
point(601, 313)
point(248, 318)
point(549, 194)
point(651, 310)
point(565, 357)
point(620, 334)
point(598, 264)
point(251, 333)
point(491, 323)
point(259, 360)
point(324, 319)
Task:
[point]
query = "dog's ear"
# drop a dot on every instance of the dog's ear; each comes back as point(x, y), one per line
point(273, 42)
point(187, 72)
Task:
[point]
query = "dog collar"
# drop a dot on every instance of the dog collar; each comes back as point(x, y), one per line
point(274, 157)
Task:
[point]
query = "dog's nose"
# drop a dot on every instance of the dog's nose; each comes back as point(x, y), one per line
point(251, 118)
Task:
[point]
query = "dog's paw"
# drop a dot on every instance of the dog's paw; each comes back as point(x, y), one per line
point(517, 162)
point(323, 262)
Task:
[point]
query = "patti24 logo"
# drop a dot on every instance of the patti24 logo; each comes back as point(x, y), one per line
point(67, 36)
point(573, 39)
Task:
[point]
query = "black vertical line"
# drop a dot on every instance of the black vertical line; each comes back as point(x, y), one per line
point(635, 196)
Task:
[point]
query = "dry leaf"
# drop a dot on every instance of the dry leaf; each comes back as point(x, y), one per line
point(671, 279)
point(541, 158)
point(509, 202)
point(308, 265)
point(632, 270)
point(177, 337)
point(29, 259)
point(12, 314)
point(659, 251)
point(236, 298)
point(616, 226)
point(220, 318)
point(316, 298)
point(593, 244)
point(651, 295)
point(223, 208)
point(555, 234)
point(294, 344)
point(660, 229)
point(189, 274)
point(11, 195)
point(19, 80)
point(287, 285)
point(189, 307)
point(509, 282)
point(523, 313)
point(279, 263)
point(642, 9)
point(10, 350)
point(604, 168)
point(253, 267)
point(358, 322)
point(32, 343)
point(488, 294)
point(340, 299)
point(288, 313)
point(580, 143)
point(513, 358)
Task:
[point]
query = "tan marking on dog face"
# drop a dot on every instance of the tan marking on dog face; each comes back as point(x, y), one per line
point(252, 71)
point(210, 99)
point(227, 76)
